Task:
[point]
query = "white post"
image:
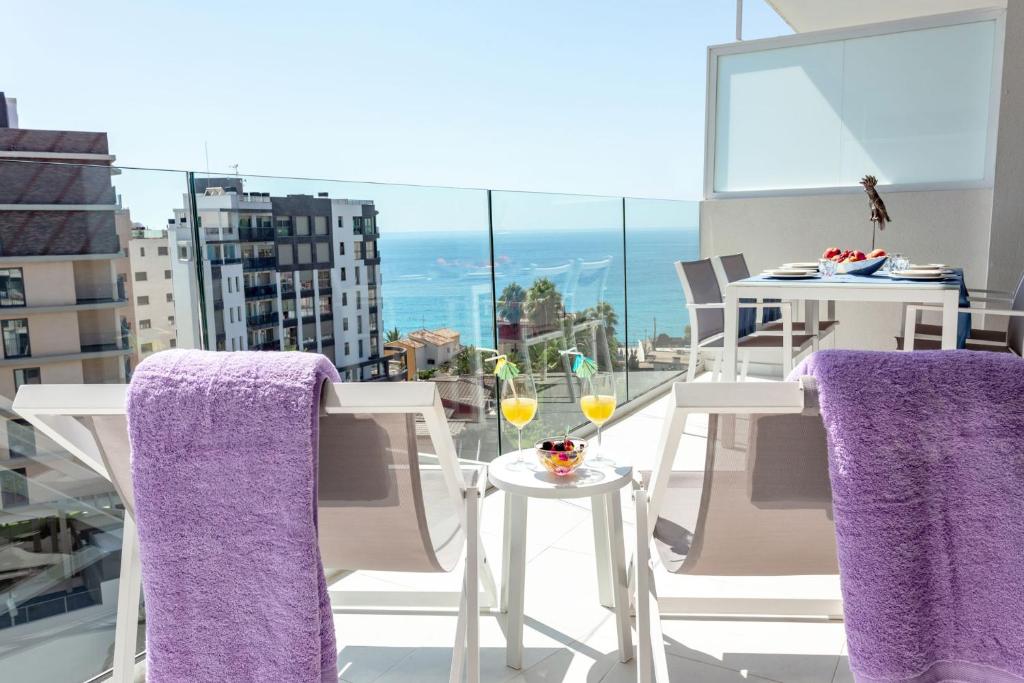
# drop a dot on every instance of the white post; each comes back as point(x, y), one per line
point(739, 20)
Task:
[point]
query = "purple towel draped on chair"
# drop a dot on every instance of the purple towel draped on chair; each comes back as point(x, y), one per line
point(224, 463)
point(926, 455)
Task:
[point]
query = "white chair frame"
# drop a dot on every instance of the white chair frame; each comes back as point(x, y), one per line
point(687, 399)
point(53, 409)
point(912, 310)
point(767, 354)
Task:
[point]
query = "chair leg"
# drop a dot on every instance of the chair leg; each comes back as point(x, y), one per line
point(129, 587)
point(466, 653)
point(459, 650)
point(691, 372)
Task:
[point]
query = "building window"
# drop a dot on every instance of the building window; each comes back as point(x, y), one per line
point(172, 342)
point(183, 253)
point(305, 253)
point(347, 349)
point(15, 334)
point(344, 298)
point(344, 325)
point(343, 275)
point(301, 225)
point(359, 300)
point(359, 326)
point(12, 287)
point(320, 225)
point(170, 297)
point(140, 276)
point(170, 319)
point(146, 348)
point(341, 223)
point(142, 251)
point(145, 324)
point(27, 376)
point(284, 226)
point(231, 314)
point(341, 248)
point(167, 275)
point(143, 300)
point(357, 225)
point(161, 251)
point(323, 252)
point(285, 255)
point(355, 269)
point(360, 348)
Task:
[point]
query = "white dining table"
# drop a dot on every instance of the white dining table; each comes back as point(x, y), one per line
point(811, 291)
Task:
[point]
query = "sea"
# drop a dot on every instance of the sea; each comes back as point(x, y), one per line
point(442, 279)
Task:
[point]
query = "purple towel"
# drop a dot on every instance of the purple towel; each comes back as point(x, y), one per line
point(926, 458)
point(224, 461)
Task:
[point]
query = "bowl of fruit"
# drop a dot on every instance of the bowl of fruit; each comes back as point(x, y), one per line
point(854, 261)
point(561, 456)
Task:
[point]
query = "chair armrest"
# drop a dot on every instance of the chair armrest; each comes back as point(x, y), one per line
point(973, 297)
point(777, 304)
point(968, 309)
point(995, 292)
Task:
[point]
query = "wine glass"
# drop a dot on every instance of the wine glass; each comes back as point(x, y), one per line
point(519, 406)
point(598, 405)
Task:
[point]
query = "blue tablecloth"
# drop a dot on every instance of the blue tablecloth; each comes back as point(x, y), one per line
point(748, 317)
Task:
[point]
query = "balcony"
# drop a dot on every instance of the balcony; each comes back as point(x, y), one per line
point(273, 345)
point(262, 320)
point(261, 292)
point(264, 263)
point(226, 261)
point(255, 234)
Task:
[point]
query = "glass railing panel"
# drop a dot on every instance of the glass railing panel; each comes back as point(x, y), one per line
point(391, 282)
point(658, 233)
point(87, 287)
point(560, 285)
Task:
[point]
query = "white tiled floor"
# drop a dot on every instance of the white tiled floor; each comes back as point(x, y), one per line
point(569, 636)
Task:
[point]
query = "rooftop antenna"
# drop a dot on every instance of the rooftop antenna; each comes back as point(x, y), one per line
point(235, 168)
point(206, 150)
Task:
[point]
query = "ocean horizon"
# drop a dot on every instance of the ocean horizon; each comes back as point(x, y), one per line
point(442, 279)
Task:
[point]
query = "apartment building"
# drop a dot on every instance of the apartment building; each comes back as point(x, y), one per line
point(435, 347)
point(152, 297)
point(281, 273)
point(63, 307)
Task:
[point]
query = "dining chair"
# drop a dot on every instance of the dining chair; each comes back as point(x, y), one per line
point(706, 310)
point(923, 337)
point(733, 267)
point(382, 504)
point(761, 507)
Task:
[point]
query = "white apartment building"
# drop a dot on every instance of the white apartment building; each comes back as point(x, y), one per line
point(435, 347)
point(152, 292)
point(281, 273)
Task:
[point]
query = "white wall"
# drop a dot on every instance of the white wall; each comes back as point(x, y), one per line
point(950, 226)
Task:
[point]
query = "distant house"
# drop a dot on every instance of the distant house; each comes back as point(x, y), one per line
point(434, 347)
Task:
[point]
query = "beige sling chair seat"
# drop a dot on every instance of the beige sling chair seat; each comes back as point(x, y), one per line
point(763, 507)
point(381, 506)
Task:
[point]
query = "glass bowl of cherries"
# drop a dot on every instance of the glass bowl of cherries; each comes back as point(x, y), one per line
point(561, 456)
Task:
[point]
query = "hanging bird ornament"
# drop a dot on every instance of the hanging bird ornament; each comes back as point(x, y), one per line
point(879, 214)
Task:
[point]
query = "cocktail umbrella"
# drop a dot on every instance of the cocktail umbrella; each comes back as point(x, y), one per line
point(583, 366)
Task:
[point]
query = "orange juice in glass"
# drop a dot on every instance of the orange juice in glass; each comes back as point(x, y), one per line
point(598, 405)
point(519, 407)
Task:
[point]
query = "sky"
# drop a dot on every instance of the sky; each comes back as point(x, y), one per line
point(596, 97)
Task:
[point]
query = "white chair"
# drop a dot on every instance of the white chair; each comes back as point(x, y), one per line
point(922, 336)
point(381, 506)
point(707, 324)
point(763, 506)
point(733, 267)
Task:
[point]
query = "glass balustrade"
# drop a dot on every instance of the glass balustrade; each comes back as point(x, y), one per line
point(391, 282)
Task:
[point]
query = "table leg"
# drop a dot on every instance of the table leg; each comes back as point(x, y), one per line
point(731, 331)
point(516, 581)
point(506, 552)
point(599, 514)
point(950, 304)
point(812, 321)
point(617, 560)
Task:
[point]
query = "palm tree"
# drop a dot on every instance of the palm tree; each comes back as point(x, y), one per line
point(392, 335)
point(510, 303)
point(543, 303)
point(605, 312)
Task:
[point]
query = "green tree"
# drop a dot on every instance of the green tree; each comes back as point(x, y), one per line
point(543, 303)
point(392, 335)
point(510, 303)
point(463, 363)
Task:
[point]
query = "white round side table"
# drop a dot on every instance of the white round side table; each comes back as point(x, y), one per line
point(601, 482)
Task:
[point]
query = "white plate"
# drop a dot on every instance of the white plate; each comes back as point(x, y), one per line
point(790, 274)
point(918, 275)
point(802, 265)
point(927, 266)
